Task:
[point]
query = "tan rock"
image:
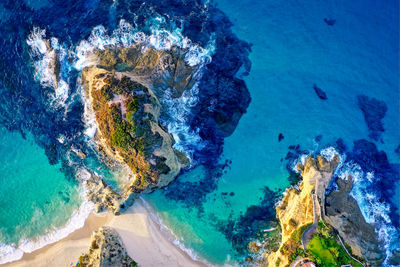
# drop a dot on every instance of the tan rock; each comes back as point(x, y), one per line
point(106, 250)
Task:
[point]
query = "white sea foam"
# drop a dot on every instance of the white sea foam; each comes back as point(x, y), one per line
point(44, 51)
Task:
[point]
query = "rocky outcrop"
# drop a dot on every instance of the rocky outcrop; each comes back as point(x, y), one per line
point(344, 214)
point(321, 94)
point(155, 69)
point(106, 250)
point(102, 195)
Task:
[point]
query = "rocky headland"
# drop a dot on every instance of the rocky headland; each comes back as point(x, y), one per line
point(327, 229)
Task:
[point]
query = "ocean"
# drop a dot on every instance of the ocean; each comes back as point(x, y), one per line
point(208, 211)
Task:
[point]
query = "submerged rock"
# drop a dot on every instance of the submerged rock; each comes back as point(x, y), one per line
point(106, 250)
point(321, 94)
point(374, 111)
point(330, 22)
point(280, 137)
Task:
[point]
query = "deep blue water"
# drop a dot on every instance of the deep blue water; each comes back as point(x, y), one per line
point(292, 48)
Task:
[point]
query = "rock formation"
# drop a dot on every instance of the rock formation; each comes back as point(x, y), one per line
point(106, 250)
point(344, 214)
point(102, 195)
point(127, 113)
point(321, 94)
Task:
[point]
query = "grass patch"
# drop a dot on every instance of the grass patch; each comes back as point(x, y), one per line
point(320, 250)
point(325, 250)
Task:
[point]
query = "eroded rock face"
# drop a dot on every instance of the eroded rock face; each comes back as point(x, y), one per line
point(344, 214)
point(106, 250)
point(156, 69)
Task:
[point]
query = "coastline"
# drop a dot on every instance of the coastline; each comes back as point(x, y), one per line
point(143, 239)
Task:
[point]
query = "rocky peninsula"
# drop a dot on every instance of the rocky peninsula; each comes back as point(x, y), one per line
point(321, 228)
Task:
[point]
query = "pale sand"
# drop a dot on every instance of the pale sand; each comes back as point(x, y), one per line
point(142, 237)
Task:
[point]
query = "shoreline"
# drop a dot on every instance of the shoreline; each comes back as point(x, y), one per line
point(143, 239)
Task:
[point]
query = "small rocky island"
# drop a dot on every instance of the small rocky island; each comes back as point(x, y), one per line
point(127, 110)
point(320, 228)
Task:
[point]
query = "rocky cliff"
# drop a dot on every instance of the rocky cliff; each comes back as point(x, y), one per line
point(106, 250)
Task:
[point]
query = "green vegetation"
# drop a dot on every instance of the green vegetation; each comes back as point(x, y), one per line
point(324, 250)
point(122, 135)
point(94, 245)
point(132, 106)
point(128, 135)
point(107, 92)
point(298, 233)
point(133, 264)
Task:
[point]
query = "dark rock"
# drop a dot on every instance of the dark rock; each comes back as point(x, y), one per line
point(330, 22)
point(232, 194)
point(374, 111)
point(178, 191)
point(318, 138)
point(321, 94)
point(350, 223)
point(280, 137)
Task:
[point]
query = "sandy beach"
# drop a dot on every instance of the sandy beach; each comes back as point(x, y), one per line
point(141, 235)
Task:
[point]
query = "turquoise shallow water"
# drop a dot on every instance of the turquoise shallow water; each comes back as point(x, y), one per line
point(293, 49)
point(36, 199)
